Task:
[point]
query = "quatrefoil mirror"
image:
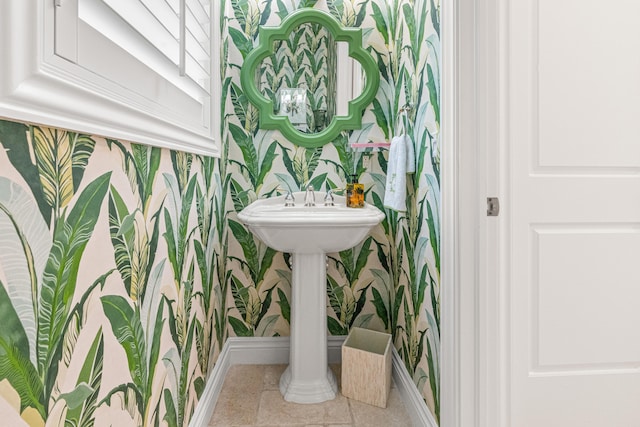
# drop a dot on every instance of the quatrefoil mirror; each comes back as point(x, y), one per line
point(302, 76)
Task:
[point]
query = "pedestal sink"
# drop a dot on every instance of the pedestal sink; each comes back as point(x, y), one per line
point(308, 233)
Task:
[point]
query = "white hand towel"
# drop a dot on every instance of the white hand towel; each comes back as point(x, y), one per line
point(395, 194)
point(411, 155)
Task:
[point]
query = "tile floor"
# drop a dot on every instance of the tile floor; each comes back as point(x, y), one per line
point(250, 397)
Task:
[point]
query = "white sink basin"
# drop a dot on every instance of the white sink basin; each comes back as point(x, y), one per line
point(300, 229)
point(309, 233)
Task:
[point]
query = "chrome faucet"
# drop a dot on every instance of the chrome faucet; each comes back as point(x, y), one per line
point(328, 198)
point(289, 200)
point(310, 197)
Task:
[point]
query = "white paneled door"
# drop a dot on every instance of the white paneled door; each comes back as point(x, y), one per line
point(573, 213)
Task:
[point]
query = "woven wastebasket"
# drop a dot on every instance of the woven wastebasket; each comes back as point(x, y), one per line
point(366, 366)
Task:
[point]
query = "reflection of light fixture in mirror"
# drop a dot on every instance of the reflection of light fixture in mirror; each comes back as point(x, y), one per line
point(349, 81)
point(293, 104)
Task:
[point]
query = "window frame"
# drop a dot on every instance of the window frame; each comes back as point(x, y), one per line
point(38, 86)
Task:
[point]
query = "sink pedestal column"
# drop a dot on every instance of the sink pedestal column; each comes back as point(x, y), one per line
point(308, 378)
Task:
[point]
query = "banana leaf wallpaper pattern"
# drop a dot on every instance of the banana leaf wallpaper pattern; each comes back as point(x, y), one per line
point(107, 279)
point(391, 281)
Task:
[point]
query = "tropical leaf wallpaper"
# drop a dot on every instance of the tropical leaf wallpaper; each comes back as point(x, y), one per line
point(108, 279)
point(123, 268)
point(391, 281)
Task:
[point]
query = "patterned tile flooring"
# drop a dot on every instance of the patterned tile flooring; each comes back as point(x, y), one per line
point(250, 397)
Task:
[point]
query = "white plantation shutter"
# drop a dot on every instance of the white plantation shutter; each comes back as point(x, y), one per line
point(158, 22)
point(141, 70)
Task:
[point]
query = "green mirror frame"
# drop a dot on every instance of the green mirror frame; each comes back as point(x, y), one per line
point(357, 106)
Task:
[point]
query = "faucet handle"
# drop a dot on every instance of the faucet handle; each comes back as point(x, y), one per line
point(289, 200)
point(328, 198)
point(310, 197)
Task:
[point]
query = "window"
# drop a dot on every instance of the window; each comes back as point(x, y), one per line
point(146, 71)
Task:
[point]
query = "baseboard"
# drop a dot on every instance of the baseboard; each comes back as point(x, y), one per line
point(275, 351)
point(411, 397)
point(204, 409)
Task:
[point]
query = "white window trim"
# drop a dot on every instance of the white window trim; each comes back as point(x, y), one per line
point(36, 87)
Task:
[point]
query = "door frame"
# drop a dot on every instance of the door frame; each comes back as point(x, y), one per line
point(474, 386)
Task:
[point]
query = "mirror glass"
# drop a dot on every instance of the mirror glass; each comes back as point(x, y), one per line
point(305, 77)
point(310, 78)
